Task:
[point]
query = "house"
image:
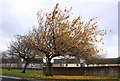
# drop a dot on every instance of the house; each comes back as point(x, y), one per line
point(35, 63)
point(15, 63)
point(98, 67)
point(10, 62)
point(105, 62)
point(67, 63)
point(81, 63)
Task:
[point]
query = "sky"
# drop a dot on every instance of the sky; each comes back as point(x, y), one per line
point(19, 16)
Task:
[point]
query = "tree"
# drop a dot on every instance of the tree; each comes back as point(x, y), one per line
point(3, 54)
point(118, 59)
point(58, 36)
point(14, 56)
point(10, 54)
point(6, 55)
point(20, 48)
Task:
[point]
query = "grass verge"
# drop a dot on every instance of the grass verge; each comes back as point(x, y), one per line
point(36, 74)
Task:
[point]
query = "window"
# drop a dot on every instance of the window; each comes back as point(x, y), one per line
point(60, 65)
point(77, 65)
point(106, 64)
point(66, 64)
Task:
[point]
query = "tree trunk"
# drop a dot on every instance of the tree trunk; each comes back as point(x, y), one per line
point(25, 67)
point(9, 68)
point(19, 65)
point(48, 68)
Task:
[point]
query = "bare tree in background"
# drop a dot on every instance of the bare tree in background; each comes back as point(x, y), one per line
point(20, 48)
point(7, 55)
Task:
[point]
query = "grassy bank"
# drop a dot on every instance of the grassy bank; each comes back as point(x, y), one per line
point(36, 74)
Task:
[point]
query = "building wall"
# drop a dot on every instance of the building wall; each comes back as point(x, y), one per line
point(8, 64)
point(56, 65)
point(79, 65)
point(88, 71)
point(66, 65)
point(35, 65)
point(71, 65)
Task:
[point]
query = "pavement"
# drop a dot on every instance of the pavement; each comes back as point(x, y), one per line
point(11, 78)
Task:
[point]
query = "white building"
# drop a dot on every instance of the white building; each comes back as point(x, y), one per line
point(67, 63)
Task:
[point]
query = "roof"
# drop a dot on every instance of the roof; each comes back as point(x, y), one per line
point(106, 61)
point(36, 60)
point(68, 61)
point(92, 61)
point(5, 60)
point(16, 60)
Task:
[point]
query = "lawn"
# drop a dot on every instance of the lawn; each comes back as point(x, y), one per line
point(36, 74)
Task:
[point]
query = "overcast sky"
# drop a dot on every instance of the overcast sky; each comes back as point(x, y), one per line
point(18, 16)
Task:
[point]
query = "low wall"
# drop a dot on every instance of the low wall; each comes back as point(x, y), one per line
point(87, 71)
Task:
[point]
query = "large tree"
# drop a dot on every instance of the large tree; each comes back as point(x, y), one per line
point(57, 35)
point(20, 48)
